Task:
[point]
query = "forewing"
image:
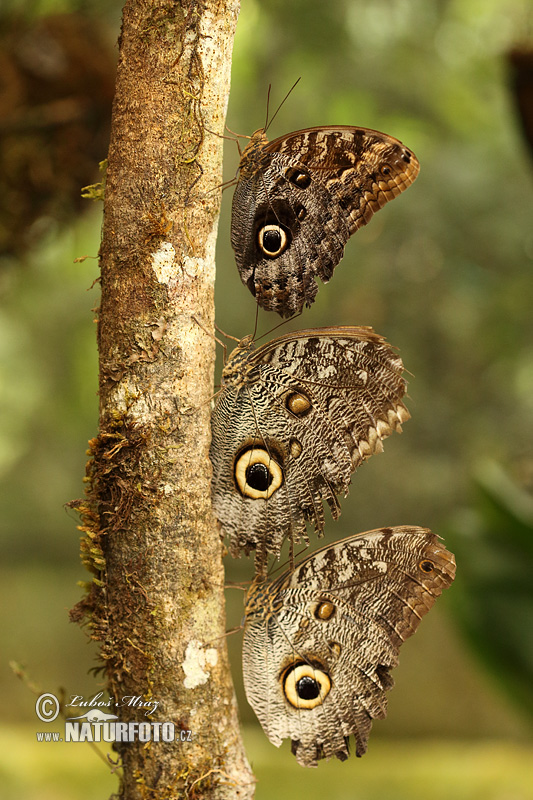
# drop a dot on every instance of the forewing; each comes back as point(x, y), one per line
point(352, 376)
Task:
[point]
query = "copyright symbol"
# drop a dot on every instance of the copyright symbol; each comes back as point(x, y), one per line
point(47, 707)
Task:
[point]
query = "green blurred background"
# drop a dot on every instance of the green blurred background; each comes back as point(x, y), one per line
point(444, 272)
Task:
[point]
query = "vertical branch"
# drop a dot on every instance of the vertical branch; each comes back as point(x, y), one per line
point(156, 603)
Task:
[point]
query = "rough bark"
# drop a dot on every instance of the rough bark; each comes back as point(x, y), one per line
point(156, 602)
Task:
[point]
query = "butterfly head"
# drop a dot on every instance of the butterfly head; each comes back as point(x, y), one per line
point(237, 367)
point(253, 153)
point(265, 599)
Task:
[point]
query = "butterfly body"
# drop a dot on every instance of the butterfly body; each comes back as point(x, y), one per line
point(295, 417)
point(298, 200)
point(320, 641)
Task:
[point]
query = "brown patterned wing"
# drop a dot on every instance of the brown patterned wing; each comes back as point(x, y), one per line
point(294, 420)
point(319, 642)
point(299, 199)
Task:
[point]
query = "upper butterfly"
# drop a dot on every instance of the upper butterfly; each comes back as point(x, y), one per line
point(298, 200)
point(294, 419)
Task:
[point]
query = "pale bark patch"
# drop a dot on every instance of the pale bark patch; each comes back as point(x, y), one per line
point(197, 662)
point(164, 263)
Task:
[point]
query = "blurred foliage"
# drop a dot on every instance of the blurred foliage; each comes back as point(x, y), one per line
point(393, 770)
point(57, 86)
point(50, 410)
point(493, 594)
point(58, 772)
point(444, 272)
point(399, 770)
point(520, 61)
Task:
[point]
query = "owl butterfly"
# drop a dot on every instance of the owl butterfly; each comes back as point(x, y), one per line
point(294, 419)
point(298, 200)
point(320, 641)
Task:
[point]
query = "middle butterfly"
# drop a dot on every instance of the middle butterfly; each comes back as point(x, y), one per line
point(295, 417)
point(298, 200)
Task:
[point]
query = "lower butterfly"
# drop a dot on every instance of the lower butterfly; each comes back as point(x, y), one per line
point(294, 419)
point(320, 641)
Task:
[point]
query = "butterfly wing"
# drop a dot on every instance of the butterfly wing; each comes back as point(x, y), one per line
point(295, 418)
point(298, 200)
point(319, 643)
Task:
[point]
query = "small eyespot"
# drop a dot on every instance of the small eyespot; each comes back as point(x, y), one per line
point(407, 157)
point(298, 177)
point(295, 448)
point(426, 565)
point(305, 686)
point(385, 170)
point(335, 648)
point(298, 404)
point(273, 240)
point(301, 213)
point(257, 474)
point(324, 610)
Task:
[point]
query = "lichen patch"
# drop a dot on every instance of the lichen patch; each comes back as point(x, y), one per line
point(197, 662)
point(164, 263)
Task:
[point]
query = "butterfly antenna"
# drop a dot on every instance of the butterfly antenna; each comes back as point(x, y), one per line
point(224, 635)
point(269, 122)
point(281, 567)
point(290, 562)
point(280, 324)
point(260, 561)
point(291, 556)
point(256, 322)
point(268, 105)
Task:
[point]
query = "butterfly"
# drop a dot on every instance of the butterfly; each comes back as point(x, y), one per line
point(294, 419)
point(299, 198)
point(320, 641)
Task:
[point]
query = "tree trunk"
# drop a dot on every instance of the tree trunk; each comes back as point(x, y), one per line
point(157, 602)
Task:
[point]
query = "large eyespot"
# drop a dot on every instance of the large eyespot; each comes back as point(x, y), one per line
point(427, 566)
point(297, 403)
point(305, 686)
point(257, 474)
point(273, 240)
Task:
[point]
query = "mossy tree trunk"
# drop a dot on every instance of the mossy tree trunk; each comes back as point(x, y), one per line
point(157, 603)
